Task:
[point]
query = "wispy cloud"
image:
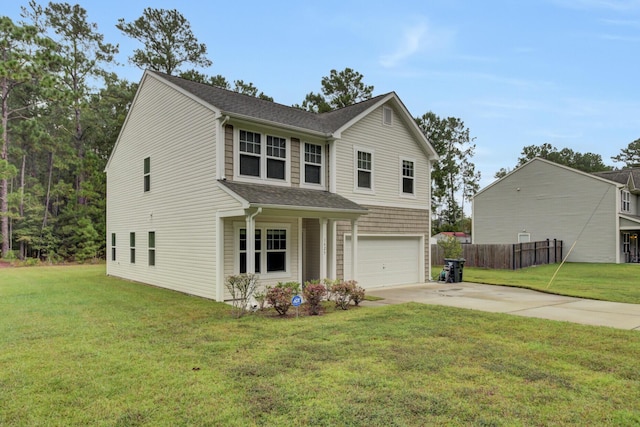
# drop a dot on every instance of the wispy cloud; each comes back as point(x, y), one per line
point(417, 38)
point(613, 5)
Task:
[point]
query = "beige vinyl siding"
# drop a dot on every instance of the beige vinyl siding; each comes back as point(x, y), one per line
point(550, 202)
point(181, 206)
point(230, 254)
point(386, 221)
point(389, 144)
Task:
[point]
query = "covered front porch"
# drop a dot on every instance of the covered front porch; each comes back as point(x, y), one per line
point(295, 234)
point(629, 236)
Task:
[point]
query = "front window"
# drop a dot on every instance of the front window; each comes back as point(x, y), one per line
point(243, 250)
point(276, 250)
point(626, 201)
point(312, 163)
point(364, 168)
point(270, 257)
point(407, 177)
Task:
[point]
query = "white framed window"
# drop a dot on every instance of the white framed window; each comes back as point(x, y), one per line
point(250, 149)
point(363, 170)
point(626, 201)
point(132, 248)
point(387, 116)
point(262, 156)
point(147, 174)
point(113, 246)
point(407, 177)
point(272, 249)
point(524, 237)
point(151, 243)
point(312, 164)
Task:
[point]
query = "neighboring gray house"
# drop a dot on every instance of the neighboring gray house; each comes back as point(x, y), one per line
point(595, 215)
point(197, 169)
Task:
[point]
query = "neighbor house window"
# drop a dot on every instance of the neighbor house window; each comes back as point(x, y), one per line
point(364, 168)
point(408, 177)
point(132, 248)
point(113, 246)
point(152, 248)
point(262, 156)
point(270, 255)
point(387, 116)
point(626, 201)
point(147, 174)
point(312, 163)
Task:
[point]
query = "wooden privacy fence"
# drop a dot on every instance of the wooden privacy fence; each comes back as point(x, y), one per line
point(505, 256)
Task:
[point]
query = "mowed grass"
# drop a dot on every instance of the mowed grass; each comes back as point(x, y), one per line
point(609, 282)
point(78, 348)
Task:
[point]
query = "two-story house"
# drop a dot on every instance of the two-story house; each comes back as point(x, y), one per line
point(595, 215)
point(204, 183)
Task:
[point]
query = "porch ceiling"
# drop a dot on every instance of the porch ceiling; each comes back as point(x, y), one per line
point(629, 222)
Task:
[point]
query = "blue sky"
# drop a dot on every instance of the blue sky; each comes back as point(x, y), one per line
point(517, 72)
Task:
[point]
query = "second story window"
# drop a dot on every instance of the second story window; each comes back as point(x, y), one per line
point(250, 149)
point(262, 156)
point(407, 177)
point(312, 164)
point(626, 201)
point(364, 167)
point(276, 157)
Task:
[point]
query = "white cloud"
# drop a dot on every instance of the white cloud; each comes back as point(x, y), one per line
point(415, 39)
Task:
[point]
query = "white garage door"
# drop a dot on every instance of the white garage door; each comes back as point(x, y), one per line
point(384, 261)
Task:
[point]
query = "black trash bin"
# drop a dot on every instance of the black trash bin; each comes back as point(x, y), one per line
point(456, 266)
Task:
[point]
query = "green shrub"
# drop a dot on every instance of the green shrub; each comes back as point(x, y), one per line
point(280, 298)
point(313, 294)
point(357, 294)
point(241, 288)
point(451, 247)
point(342, 292)
point(294, 286)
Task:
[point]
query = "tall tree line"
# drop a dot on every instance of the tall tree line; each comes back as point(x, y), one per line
point(58, 129)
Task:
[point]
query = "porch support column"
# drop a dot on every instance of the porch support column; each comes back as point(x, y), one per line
point(251, 241)
point(354, 249)
point(219, 258)
point(323, 248)
point(331, 250)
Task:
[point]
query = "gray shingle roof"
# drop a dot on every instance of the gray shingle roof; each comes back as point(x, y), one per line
point(236, 103)
point(271, 195)
point(621, 176)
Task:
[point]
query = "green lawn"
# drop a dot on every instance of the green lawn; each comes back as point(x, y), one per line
point(79, 348)
point(610, 282)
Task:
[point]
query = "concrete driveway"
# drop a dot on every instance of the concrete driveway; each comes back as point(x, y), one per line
point(517, 301)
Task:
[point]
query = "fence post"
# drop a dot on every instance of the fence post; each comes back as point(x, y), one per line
point(548, 252)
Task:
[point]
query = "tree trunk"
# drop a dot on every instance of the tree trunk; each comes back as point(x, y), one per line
point(47, 198)
point(4, 183)
point(21, 207)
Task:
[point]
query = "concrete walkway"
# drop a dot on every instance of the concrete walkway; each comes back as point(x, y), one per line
point(517, 301)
